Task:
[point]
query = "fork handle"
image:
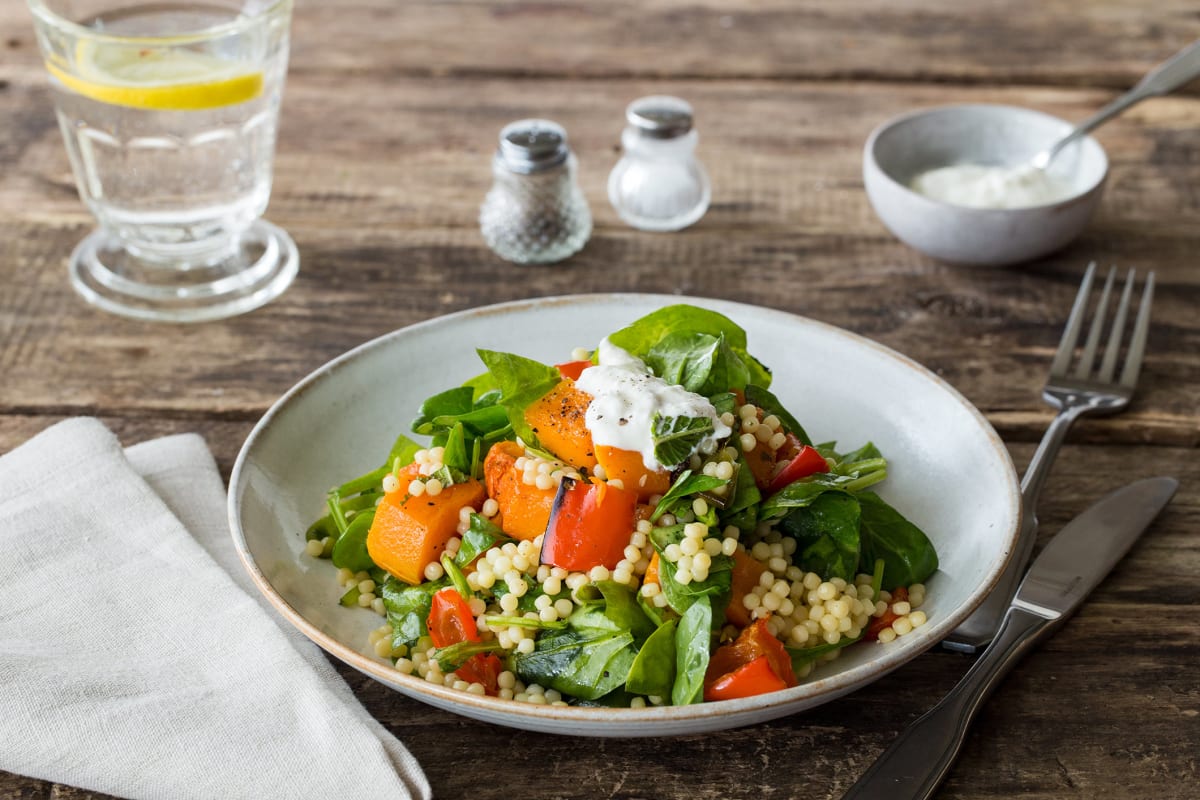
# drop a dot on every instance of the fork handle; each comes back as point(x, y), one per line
point(974, 633)
point(915, 764)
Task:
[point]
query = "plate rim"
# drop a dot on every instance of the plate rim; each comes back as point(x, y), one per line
point(690, 718)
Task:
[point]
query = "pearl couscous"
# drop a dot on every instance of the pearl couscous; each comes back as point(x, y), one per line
point(642, 525)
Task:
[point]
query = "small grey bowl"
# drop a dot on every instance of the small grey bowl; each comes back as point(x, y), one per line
point(908, 145)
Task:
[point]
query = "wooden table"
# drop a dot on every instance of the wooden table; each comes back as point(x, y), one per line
point(390, 117)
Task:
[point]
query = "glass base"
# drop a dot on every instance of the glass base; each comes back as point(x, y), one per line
point(257, 270)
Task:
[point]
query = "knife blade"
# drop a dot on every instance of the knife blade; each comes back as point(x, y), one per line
point(1061, 577)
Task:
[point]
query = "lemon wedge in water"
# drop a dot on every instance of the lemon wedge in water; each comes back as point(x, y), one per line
point(159, 79)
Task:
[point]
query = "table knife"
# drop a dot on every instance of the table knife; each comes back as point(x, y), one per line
point(1065, 572)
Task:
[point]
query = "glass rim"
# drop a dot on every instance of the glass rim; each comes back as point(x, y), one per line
point(44, 14)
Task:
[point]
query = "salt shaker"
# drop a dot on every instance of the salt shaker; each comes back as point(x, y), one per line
point(535, 212)
point(658, 185)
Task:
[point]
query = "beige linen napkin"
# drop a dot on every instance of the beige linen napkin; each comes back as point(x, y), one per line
point(137, 659)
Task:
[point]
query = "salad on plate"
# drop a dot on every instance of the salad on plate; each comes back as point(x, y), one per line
point(642, 524)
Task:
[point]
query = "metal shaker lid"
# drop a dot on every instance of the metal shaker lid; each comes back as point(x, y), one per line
point(660, 116)
point(533, 145)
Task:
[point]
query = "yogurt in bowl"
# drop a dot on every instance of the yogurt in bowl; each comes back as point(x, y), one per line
point(951, 182)
point(982, 186)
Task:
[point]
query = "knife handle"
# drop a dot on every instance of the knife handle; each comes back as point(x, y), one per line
point(922, 754)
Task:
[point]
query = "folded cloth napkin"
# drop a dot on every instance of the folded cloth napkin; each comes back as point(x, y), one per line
point(137, 659)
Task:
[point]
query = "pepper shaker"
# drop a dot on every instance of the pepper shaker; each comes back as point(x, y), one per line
point(534, 212)
point(658, 185)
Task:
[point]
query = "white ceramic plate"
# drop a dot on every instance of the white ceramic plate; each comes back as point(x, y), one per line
point(948, 472)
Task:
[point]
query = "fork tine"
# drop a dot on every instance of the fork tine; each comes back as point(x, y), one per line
point(1066, 346)
point(1088, 357)
point(1137, 344)
point(1109, 365)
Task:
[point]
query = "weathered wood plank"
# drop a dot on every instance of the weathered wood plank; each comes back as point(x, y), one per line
point(1112, 42)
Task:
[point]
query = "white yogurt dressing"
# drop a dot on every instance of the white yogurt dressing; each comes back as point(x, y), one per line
point(979, 186)
point(625, 398)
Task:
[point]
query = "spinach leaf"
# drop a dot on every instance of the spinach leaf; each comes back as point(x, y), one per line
point(525, 602)
point(405, 449)
point(485, 386)
point(724, 402)
point(456, 456)
point(408, 608)
point(324, 527)
point(741, 510)
point(676, 437)
point(907, 554)
point(653, 671)
point(481, 536)
point(698, 362)
point(640, 336)
point(685, 485)
point(759, 396)
point(521, 382)
point(457, 579)
point(826, 534)
point(620, 607)
point(449, 403)
point(350, 550)
point(693, 641)
point(803, 492)
point(479, 421)
point(868, 452)
point(451, 657)
point(681, 597)
point(587, 664)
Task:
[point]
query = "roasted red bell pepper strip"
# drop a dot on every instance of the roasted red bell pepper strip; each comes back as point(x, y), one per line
point(807, 462)
point(450, 619)
point(757, 677)
point(573, 369)
point(590, 525)
point(754, 642)
point(484, 669)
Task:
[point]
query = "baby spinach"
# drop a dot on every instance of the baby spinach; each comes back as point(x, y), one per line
point(685, 485)
point(642, 335)
point(653, 670)
point(350, 550)
point(620, 607)
point(742, 509)
point(723, 402)
point(759, 396)
point(681, 597)
point(481, 536)
point(408, 608)
point(698, 362)
point(827, 535)
point(693, 640)
point(676, 438)
point(447, 404)
point(907, 554)
point(402, 453)
point(521, 381)
point(586, 663)
point(802, 493)
point(525, 602)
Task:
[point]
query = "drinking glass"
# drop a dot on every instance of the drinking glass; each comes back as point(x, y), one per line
point(169, 110)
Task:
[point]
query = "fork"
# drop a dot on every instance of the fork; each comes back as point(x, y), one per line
point(1085, 389)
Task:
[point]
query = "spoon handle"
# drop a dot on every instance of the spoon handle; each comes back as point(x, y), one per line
point(1163, 79)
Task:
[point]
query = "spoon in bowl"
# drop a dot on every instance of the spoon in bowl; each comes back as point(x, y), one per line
point(1163, 79)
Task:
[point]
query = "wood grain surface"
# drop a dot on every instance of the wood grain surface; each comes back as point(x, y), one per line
point(389, 121)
